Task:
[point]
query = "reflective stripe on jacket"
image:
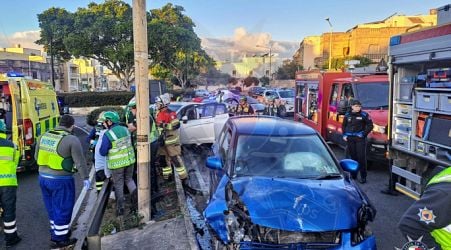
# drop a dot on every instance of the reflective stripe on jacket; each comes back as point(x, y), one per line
point(9, 158)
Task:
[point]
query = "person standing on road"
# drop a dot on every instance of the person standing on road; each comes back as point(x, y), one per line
point(357, 124)
point(117, 147)
point(9, 159)
point(59, 155)
point(243, 108)
point(271, 108)
point(102, 171)
point(429, 218)
point(168, 124)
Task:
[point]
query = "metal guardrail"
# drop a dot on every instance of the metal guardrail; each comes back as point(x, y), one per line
point(91, 238)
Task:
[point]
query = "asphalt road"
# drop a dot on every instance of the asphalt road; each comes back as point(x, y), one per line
point(31, 216)
point(389, 208)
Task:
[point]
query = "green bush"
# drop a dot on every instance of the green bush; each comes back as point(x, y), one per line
point(91, 118)
point(96, 99)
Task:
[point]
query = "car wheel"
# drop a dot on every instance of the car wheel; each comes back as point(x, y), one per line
point(282, 111)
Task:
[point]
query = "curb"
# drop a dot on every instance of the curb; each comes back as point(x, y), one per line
point(186, 215)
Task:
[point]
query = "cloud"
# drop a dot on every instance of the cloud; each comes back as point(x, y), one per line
point(243, 43)
point(26, 39)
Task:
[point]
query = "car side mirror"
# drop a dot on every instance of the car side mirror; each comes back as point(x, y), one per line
point(214, 162)
point(185, 119)
point(350, 166)
point(342, 107)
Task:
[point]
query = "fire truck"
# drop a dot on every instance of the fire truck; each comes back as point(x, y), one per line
point(420, 105)
point(322, 99)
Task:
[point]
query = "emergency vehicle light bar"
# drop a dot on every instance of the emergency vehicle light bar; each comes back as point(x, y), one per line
point(14, 74)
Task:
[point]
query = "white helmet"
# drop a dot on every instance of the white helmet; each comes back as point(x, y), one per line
point(163, 100)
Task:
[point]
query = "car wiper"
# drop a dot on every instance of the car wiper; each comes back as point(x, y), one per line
point(328, 176)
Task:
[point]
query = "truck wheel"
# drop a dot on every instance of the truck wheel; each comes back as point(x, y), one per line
point(282, 111)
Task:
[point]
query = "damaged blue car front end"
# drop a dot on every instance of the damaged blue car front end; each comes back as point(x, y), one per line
point(267, 203)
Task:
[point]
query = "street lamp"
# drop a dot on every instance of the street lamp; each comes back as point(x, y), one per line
point(270, 54)
point(330, 43)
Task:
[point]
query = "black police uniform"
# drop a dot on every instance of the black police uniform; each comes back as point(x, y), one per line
point(356, 126)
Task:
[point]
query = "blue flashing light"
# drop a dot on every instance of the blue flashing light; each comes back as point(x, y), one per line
point(395, 40)
point(14, 74)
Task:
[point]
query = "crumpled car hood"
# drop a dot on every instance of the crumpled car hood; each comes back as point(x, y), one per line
point(299, 204)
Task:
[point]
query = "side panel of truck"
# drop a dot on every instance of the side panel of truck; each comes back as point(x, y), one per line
point(420, 107)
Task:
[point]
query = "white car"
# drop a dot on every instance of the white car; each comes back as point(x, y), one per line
point(286, 95)
point(199, 122)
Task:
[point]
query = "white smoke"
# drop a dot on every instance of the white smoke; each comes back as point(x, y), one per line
point(26, 39)
point(243, 43)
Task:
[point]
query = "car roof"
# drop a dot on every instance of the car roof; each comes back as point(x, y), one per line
point(268, 125)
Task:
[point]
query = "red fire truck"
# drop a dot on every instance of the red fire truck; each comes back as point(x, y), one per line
point(322, 100)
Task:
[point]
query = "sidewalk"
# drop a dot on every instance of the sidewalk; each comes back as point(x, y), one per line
point(174, 233)
point(169, 234)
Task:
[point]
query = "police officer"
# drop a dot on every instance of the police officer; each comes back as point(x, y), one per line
point(243, 108)
point(271, 108)
point(357, 124)
point(59, 154)
point(117, 147)
point(9, 158)
point(429, 218)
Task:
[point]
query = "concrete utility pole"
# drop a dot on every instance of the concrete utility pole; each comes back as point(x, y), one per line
point(142, 106)
point(330, 43)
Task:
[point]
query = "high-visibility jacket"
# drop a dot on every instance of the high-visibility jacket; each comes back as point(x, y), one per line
point(48, 154)
point(9, 159)
point(443, 235)
point(121, 153)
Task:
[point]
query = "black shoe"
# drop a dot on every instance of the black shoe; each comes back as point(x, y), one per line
point(120, 212)
point(13, 242)
point(363, 180)
point(389, 192)
point(64, 243)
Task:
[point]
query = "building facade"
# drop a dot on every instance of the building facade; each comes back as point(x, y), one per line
point(370, 40)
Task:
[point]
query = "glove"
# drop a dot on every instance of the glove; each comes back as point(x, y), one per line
point(87, 184)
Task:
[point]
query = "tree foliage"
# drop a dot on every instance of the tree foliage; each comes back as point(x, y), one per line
point(174, 46)
point(264, 80)
point(287, 70)
point(339, 63)
point(104, 32)
point(250, 80)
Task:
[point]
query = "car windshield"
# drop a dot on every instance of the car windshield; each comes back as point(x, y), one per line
point(286, 93)
point(283, 156)
point(365, 94)
point(175, 107)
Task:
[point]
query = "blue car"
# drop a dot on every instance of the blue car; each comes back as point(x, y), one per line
point(276, 184)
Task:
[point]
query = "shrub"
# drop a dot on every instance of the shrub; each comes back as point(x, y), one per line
point(91, 118)
point(96, 99)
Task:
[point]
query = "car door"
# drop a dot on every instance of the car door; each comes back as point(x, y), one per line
point(199, 128)
point(221, 149)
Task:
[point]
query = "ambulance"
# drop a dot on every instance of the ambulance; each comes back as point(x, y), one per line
point(29, 108)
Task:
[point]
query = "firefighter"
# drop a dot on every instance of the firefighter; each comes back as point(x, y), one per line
point(117, 147)
point(271, 108)
point(170, 148)
point(429, 218)
point(243, 108)
point(357, 124)
point(59, 155)
point(9, 159)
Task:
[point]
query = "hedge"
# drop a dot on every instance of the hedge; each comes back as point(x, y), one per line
point(96, 99)
point(91, 118)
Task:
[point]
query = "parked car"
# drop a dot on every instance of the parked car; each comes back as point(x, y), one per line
point(275, 183)
point(284, 98)
point(199, 121)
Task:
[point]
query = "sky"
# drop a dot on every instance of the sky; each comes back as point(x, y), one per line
point(231, 28)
